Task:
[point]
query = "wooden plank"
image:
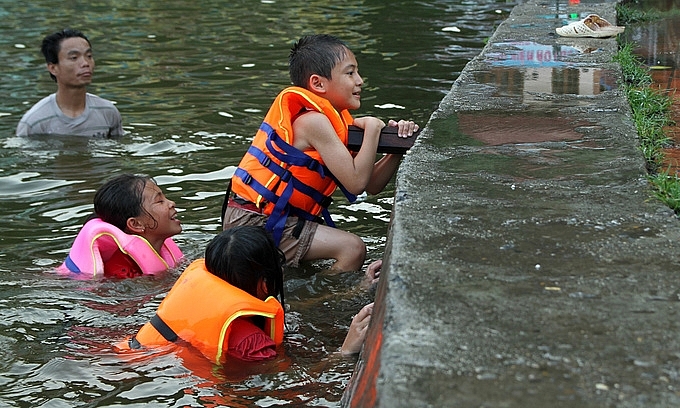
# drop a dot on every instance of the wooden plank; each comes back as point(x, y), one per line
point(389, 141)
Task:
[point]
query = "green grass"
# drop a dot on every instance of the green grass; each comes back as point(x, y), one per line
point(636, 11)
point(651, 112)
point(667, 189)
point(629, 12)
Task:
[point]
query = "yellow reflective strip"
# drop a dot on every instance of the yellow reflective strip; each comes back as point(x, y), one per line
point(286, 137)
point(316, 106)
point(261, 198)
point(94, 258)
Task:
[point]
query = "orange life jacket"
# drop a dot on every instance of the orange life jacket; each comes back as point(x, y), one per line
point(97, 241)
point(199, 309)
point(282, 180)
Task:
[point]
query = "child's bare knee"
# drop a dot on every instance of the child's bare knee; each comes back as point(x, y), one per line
point(356, 252)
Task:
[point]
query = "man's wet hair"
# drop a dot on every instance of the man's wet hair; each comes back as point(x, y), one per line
point(314, 54)
point(52, 44)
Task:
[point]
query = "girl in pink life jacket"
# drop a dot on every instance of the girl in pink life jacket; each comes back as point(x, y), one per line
point(129, 233)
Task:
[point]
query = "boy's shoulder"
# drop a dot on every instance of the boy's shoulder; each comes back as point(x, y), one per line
point(314, 123)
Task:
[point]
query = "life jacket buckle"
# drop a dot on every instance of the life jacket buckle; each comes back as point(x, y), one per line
point(266, 161)
point(313, 165)
point(286, 176)
point(326, 201)
point(248, 179)
point(134, 344)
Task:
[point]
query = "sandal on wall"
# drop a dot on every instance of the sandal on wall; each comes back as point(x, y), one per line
point(591, 26)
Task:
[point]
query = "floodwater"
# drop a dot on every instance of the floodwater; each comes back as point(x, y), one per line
point(192, 81)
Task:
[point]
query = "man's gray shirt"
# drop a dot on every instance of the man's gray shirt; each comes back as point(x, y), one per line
point(99, 119)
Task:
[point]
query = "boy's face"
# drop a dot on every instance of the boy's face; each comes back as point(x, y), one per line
point(343, 89)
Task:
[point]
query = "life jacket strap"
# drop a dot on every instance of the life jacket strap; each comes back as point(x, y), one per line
point(297, 158)
point(134, 343)
point(289, 154)
point(225, 202)
point(163, 329)
point(71, 265)
point(287, 177)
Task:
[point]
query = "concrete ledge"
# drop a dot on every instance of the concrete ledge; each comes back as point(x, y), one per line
point(527, 263)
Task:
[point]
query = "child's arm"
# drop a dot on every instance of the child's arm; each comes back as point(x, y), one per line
point(384, 169)
point(313, 130)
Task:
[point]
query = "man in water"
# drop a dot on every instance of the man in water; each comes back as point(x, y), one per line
point(71, 110)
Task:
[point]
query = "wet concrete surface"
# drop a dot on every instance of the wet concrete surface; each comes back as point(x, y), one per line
point(527, 264)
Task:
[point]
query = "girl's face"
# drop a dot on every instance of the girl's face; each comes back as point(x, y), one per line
point(160, 217)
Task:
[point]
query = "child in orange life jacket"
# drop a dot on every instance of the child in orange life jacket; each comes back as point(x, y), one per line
point(247, 258)
point(225, 305)
point(299, 156)
point(129, 232)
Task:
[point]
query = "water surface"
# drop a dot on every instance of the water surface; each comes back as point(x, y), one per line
point(192, 81)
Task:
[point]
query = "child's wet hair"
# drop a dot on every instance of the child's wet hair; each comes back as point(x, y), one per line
point(120, 198)
point(244, 254)
point(314, 54)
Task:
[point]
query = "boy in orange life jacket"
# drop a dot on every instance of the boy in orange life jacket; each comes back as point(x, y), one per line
point(299, 156)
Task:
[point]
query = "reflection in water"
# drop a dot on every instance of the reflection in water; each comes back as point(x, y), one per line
point(658, 44)
point(531, 54)
point(525, 69)
point(506, 128)
point(525, 83)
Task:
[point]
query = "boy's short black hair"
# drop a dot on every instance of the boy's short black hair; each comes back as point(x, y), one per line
point(52, 44)
point(314, 54)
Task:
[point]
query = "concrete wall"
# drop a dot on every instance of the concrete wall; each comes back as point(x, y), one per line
point(528, 263)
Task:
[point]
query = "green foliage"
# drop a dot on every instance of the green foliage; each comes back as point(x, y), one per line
point(635, 74)
point(629, 12)
point(667, 189)
point(651, 112)
point(638, 11)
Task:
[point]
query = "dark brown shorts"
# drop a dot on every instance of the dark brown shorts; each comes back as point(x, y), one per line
point(294, 248)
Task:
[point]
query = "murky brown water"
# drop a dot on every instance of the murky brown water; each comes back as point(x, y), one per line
point(192, 81)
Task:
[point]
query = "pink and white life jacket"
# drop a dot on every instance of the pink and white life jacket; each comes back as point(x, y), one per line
point(97, 241)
